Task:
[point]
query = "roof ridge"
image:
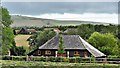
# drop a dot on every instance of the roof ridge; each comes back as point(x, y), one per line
point(81, 41)
point(87, 45)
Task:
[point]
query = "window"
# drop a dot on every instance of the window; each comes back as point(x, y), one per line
point(39, 52)
point(76, 53)
point(48, 52)
point(85, 54)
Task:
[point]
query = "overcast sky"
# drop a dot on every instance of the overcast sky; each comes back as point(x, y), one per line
point(91, 11)
point(36, 8)
point(60, 0)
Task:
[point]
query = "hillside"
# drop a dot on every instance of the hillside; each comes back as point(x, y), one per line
point(39, 22)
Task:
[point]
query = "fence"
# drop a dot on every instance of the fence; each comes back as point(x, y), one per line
point(63, 59)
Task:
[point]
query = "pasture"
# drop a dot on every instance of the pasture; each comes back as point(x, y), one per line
point(21, 40)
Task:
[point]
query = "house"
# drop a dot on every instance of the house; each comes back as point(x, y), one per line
point(70, 29)
point(25, 31)
point(74, 45)
point(54, 29)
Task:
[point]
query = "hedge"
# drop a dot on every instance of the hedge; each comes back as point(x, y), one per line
point(49, 59)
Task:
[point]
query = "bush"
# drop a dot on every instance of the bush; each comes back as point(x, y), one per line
point(6, 58)
point(65, 59)
point(58, 59)
point(72, 60)
point(110, 56)
point(38, 59)
point(51, 59)
point(19, 58)
point(78, 60)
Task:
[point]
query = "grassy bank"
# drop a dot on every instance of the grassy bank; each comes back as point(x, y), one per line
point(9, 63)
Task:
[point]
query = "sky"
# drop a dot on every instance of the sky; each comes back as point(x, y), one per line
point(86, 11)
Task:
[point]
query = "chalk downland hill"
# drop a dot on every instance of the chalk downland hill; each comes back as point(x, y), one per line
point(19, 21)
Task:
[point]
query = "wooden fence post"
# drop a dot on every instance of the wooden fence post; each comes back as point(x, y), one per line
point(27, 58)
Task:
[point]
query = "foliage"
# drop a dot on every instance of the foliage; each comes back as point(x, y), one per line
point(118, 35)
point(17, 51)
point(115, 56)
point(61, 45)
point(15, 58)
point(6, 18)
point(40, 38)
point(50, 59)
point(106, 43)
point(7, 39)
point(85, 30)
point(7, 32)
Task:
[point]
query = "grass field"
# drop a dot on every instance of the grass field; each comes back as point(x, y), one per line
point(38, 63)
point(21, 40)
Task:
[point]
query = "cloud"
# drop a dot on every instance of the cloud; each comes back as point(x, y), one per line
point(96, 17)
point(35, 8)
point(60, 1)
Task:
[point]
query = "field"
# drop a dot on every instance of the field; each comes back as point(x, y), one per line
point(55, 64)
point(21, 40)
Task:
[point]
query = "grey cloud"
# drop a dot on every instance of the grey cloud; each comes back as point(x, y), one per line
point(35, 8)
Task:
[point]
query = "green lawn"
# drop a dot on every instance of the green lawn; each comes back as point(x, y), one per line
point(38, 63)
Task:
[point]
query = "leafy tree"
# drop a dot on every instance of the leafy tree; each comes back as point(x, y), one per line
point(85, 30)
point(7, 32)
point(17, 51)
point(98, 28)
point(109, 29)
point(118, 35)
point(7, 39)
point(107, 43)
point(6, 18)
point(61, 46)
point(40, 38)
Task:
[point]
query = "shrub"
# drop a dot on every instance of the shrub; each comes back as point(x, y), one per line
point(51, 59)
point(6, 58)
point(78, 59)
point(65, 59)
point(58, 59)
point(114, 56)
point(19, 58)
point(38, 58)
point(72, 60)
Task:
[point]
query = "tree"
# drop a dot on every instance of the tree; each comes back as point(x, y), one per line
point(61, 46)
point(7, 39)
point(17, 51)
point(85, 30)
point(7, 32)
point(6, 18)
point(40, 38)
point(106, 43)
point(118, 35)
